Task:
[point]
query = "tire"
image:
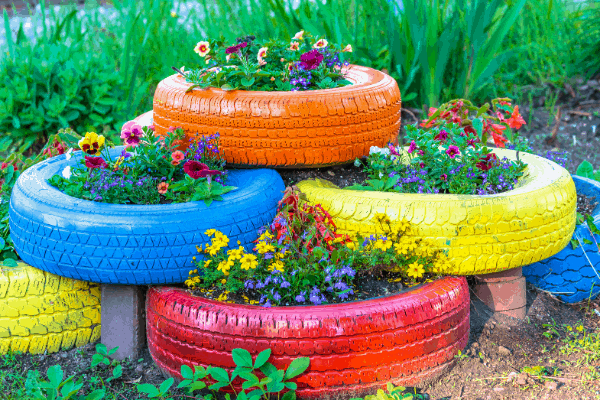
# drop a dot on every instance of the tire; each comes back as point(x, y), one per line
point(130, 244)
point(41, 312)
point(354, 348)
point(483, 234)
point(287, 129)
point(569, 274)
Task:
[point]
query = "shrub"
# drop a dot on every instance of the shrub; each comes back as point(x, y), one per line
point(51, 86)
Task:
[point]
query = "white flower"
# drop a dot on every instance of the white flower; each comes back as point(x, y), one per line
point(67, 172)
point(320, 44)
point(378, 150)
point(68, 153)
point(298, 36)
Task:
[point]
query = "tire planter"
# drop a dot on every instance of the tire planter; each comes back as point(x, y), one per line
point(483, 234)
point(407, 338)
point(41, 312)
point(130, 244)
point(569, 274)
point(287, 129)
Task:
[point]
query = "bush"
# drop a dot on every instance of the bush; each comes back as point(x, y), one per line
point(50, 86)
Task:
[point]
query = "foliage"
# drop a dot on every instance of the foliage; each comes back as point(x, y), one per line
point(586, 170)
point(304, 63)
point(53, 85)
point(155, 172)
point(55, 388)
point(10, 170)
point(444, 159)
point(299, 258)
point(393, 393)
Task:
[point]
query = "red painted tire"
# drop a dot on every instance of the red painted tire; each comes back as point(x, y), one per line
point(408, 338)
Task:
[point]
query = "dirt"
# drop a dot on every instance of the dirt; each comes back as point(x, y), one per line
point(585, 204)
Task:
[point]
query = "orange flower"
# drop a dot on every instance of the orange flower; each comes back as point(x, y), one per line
point(347, 49)
point(294, 46)
point(516, 120)
point(174, 163)
point(498, 135)
point(162, 187)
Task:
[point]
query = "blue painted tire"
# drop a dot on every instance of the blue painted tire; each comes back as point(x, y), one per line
point(569, 274)
point(130, 244)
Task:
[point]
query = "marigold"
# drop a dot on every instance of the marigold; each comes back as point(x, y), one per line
point(249, 261)
point(263, 247)
point(415, 270)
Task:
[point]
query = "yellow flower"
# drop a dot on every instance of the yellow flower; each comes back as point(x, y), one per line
point(351, 245)
point(266, 235)
point(202, 48)
point(224, 267)
point(400, 249)
point(223, 281)
point(91, 143)
point(382, 217)
point(235, 254)
point(249, 261)
point(210, 232)
point(320, 44)
point(383, 244)
point(199, 249)
point(223, 296)
point(263, 247)
point(580, 328)
point(415, 270)
point(173, 14)
point(207, 263)
point(276, 265)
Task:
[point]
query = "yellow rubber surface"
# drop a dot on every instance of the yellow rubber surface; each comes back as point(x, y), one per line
point(483, 234)
point(42, 312)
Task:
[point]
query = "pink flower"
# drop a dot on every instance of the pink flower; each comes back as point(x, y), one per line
point(131, 133)
point(420, 152)
point(444, 177)
point(4, 165)
point(236, 48)
point(393, 150)
point(311, 60)
point(294, 46)
point(453, 151)
point(151, 127)
point(442, 136)
point(412, 147)
point(198, 170)
point(177, 155)
point(422, 164)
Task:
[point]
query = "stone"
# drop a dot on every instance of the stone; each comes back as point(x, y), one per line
point(511, 376)
point(503, 292)
point(503, 351)
point(522, 379)
point(123, 319)
point(498, 389)
point(551, 385)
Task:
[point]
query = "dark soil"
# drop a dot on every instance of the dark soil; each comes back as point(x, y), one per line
point(586, 205)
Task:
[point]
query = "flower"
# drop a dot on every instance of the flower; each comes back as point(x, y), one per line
point(298, 35)
point(415, 270)
point(174, 163)
point(311, 60)
point(162, 187)
point(225, 266)
point(262, 52)
point(320, 44)
point(91, 143)
point(442, 136)
point(202, 48)
point(236, 48)
point(412, 147)
point(177, 155)
point(347, 49)
point(487, 162)
point(196, 170)
point(276, 266)
point(294, 46)
point(516, 120)
point(453, 151)
point(95, 162)
point(65, 172)
point(248, 261)
point(444, 177)
point(131, 133)
point(263, 247)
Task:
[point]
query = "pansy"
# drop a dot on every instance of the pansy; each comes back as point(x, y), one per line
point(91, 143)
point(95, 162)
point(131, 133)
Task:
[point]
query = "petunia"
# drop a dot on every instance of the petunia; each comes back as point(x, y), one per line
point(177, 155)
point(311, 60)
point(320, 44)
point(162, 187)
point(294, 46)
point(412, 147)
point(95, 162)
point(91, 143)
point(202, 48)
point(347, 49)
point(236, 48)
point(442, 136)
point(453, 151)
point(298, 35)
point(262, 53)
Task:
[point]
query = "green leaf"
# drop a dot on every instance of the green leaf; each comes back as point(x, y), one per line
point(289, 396)
point(478, 126)
point(298, 366)
point(166, 385)
point(585, 169)
point(587, 241)
point(55, 375)
point(186, 372)
point(96, 394)
point(291, 385)
point(218, 385)
point(268, 368)
point(9, 262)
point(247, 82)
point(242, 358)
point(151, 390)
point(219, 374)
point(574, 244)
point(262, 358)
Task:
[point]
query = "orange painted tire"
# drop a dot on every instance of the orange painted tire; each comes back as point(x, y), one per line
point(287, 129)
point(354, 348)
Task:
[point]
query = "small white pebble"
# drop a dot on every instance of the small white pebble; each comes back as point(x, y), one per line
point(574, 140)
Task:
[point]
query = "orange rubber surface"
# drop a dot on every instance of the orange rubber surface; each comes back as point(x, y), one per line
point(287, 129)
point(354, 348)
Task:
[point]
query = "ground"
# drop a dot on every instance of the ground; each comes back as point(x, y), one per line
point(538, 358)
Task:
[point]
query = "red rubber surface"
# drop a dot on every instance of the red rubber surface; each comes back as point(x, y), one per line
point(408, 338)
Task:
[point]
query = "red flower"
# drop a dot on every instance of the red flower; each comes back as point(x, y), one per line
point(486, 163)
point(4, 165)
point(442, 136)
point(162, 187)
point(311, 60)
point(516, 120)
point(198, 170)
point(498, 135)
point(471, 142)
point(95, 162)
point(236, 48)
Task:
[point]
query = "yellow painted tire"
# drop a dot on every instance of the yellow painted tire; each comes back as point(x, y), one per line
point(482, 234)
point(42, 312)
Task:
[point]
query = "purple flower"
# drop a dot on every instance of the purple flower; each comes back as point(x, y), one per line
point(276, 296)
point(300, 298)
point(453, 151)
point(412, 147)
point(285, 284)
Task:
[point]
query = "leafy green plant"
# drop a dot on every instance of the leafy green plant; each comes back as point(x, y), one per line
point(102, 357)
point(586, 170)
point(55, 388)
point(274, 381)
